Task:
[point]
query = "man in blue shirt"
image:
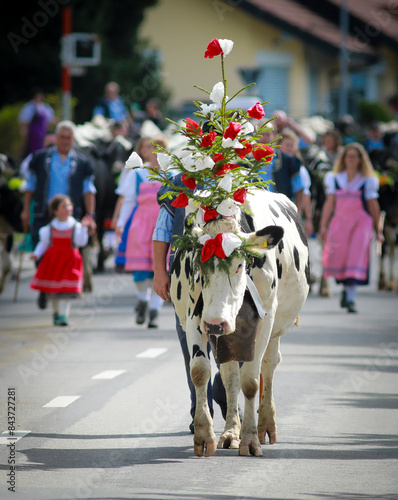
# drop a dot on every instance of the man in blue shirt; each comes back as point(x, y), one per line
point(58, 169)
point(111, 106)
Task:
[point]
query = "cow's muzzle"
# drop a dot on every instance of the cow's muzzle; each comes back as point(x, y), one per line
point(216, 328)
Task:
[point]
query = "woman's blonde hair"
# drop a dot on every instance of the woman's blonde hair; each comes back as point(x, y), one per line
point(365, 167)
point(160, 140)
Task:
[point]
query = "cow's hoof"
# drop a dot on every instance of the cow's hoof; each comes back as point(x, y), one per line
point(202, 447)
point(252, 448)
point(228, 440)
point(269, 430)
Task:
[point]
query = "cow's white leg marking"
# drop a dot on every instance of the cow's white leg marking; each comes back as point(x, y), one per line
point(204, 437)
point(266, 419)
point(230, 377)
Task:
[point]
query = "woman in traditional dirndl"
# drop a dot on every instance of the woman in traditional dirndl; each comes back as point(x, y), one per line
point(139, 211)
point(350, 214)
point(60, 271)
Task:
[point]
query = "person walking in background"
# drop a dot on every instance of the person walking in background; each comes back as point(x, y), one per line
point(139, 204)
point(289, 145)
point(349, 215)
point(60, 271)
point(34, 120)
point(111, 105)
point(283, 169)
point(57, 170)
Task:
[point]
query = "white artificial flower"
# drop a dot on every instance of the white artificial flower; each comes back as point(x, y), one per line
point(134, 161)
point(247, 128)
point(217, 94)
point(231, 143)
point(196, 163)
point(164, 160)
point(188, 162)
point(205, 237)
point(230, 241)
point(209, 108)
point(183, 153)
point(191, 207)
point(200, 217)
point(226, 45)
point(228, 207)
point(226, 182)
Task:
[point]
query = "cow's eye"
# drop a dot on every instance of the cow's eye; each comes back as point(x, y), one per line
point(238, 268)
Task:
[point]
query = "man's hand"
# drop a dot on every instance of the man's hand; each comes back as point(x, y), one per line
point(161, 284)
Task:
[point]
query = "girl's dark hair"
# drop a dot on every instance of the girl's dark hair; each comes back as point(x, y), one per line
point(55, 202)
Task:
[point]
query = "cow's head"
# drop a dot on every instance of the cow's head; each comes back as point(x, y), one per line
point(223, 292)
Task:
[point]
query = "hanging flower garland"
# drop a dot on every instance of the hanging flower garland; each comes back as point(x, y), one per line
point(223, 158)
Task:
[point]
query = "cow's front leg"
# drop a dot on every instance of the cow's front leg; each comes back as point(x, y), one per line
point(204, 437)
point(267, 414)
point(249, 379)
point(230, 438)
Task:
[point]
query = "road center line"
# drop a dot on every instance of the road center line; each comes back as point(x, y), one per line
point(6, 438)
point(108, 374)
point(153, 352)
point(61, 401)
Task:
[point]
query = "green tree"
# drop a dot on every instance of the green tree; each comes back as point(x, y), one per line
point(31, 43)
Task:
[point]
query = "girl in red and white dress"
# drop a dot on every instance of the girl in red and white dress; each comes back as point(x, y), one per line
point(349, 216)
point(60, 271)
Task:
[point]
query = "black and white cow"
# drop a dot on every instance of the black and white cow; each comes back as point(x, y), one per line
point(218, 307)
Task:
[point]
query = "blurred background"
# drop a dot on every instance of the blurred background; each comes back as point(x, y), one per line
point(310, 58)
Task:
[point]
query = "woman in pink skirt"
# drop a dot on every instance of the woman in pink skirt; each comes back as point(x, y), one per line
point(140, 196)
point(350, 214)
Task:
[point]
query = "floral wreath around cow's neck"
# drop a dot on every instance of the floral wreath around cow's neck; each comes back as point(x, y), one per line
point(223, 158)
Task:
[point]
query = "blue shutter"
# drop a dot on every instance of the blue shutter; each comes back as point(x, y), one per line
point(273, 86)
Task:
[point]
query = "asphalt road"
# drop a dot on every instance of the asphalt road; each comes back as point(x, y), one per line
point(102, 406)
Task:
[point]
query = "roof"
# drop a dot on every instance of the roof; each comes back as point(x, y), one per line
point(306, 24)
point(379, 14)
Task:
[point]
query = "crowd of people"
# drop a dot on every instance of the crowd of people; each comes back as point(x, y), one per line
point(59, 206)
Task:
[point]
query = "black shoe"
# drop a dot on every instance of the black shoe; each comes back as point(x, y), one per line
point(153, 318)
point(192, 427)
point(42, 300)
point(141, 310)
point(352, 307)
point(343, 301)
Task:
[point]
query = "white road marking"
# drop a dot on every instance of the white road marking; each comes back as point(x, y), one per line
point(5, 437)
point(61, 401)
point(153, 352)
point(108, 374)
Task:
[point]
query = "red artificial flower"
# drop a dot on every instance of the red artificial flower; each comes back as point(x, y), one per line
point(262, 151)
point(181, 201)
point(240, 195)
point(189, 182)
point(213, 49)
point(210, 213)
point(193, 128)
point(217, 157)
point(256, 111)
point(233, 130)
point(213, 247)
point(208, 139)
point(242, 152)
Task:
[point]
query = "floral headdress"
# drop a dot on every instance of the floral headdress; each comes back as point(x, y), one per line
point(223, 158)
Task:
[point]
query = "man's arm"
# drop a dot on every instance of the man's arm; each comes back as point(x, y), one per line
point(161, 280)
point(25, 214)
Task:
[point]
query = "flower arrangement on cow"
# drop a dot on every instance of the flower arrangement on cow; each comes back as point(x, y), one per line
point(223, 158)
point(240, 275)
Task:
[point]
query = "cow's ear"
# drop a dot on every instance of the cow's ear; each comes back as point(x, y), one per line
point(266, 238)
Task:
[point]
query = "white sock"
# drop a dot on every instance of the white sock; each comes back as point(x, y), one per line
point(351, 291)
point(156, 302)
